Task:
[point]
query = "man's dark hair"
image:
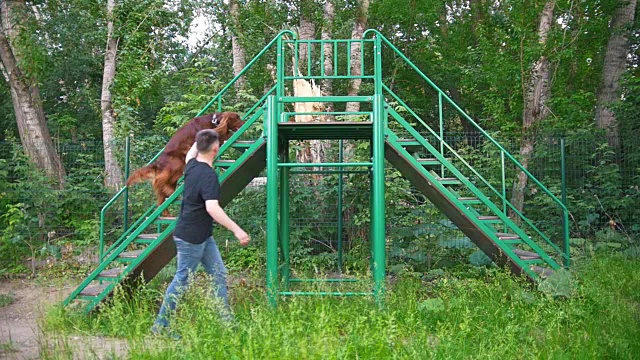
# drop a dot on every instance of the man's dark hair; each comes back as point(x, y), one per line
point(205, 140)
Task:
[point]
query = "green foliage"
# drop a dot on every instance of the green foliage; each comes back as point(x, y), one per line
point(456, 316)
point(7, 299)
point(37, 218)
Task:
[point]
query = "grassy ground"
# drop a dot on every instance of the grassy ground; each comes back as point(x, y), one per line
point(480, 314)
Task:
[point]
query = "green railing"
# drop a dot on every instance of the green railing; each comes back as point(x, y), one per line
point(504, 154)
point(218, 98)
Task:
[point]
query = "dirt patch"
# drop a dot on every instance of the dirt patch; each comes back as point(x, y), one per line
point(20, 335)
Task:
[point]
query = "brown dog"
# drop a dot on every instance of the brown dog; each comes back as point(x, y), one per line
point(168, 168)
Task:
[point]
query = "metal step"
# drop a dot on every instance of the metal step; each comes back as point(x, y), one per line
point(507, 236)
point(111, 273)
point(490, 219)
point(449, 181)
point(146, 238)
point(470, 200)
point(410, 145)
point(223, 163)
point(543, 272)
point(93, 290)
point(130, 254)
point(429, 162)
point(242, 145)
point(526, 255)
point(165, 219)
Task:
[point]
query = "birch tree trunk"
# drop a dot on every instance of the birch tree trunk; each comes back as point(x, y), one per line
point(356, 53)
point(327, 34)
point(239, 60)
point(306, 31)
point(535, 108)
point(25, 95)
point(113, 173)
point(615, 61)
point(311, 151)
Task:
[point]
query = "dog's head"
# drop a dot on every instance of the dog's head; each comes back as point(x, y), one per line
point(227, 122)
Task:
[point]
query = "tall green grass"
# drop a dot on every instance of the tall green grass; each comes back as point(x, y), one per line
point(485, 314)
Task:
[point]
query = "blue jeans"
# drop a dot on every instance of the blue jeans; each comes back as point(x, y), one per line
point(189, 256)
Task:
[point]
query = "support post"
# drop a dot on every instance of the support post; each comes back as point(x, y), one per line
point(272, 199)
point(565, 215)
point(340, 185)
point(441, 122)
point(504, 188)
point(378, 208)
point(284, 216)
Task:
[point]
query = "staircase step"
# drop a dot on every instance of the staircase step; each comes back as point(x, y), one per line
point(410, 145)
point(429, 161)
point(490, 219)
point(93, 290)
point(449, 181)
point(242, 145)
point(130, 254)
point(507, 236)
point(165, 219)
point(512, 242)
point(526, 255)
point(470, 200)
point(224, 163)
point(146, 238)
point(111, 273)
point(543, 272)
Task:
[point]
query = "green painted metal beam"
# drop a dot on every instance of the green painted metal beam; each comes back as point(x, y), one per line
point(271, 128)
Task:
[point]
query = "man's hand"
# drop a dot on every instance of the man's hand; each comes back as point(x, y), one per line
point(216, 212)
point(242, 236)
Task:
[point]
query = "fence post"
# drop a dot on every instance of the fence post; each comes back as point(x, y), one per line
point(565, 216)
point(127, 151)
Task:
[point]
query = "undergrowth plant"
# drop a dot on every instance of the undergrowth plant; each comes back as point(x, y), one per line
point(479, 313)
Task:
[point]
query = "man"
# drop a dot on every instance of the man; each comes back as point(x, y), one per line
point(193, 232)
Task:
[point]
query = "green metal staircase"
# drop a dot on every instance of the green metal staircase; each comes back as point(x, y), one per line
point(147, 246)
point(473, 201)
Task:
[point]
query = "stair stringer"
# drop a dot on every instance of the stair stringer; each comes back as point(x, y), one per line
point(452, 211)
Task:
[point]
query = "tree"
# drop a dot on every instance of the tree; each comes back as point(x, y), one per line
point(113, 174)
point(536, 96)
point(356, 53)
point(25, 93)
point(327, 84)
point(239, 61)
point(615, 61)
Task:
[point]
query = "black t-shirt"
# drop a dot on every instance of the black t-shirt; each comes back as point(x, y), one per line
point(195, 224)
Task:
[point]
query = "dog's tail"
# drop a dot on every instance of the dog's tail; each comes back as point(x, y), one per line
point(142, 174)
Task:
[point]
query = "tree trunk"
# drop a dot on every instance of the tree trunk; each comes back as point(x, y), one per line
point(25, 94)
point(535, 109)
point(113, 174)
point(239, 61)
point(327, 84)
point(615, 61)
point(356, 53)
point(306, 31)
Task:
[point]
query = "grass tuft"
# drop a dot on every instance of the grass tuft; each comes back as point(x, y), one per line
point(486, 314)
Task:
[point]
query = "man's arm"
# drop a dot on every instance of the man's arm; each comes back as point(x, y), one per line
point(193, 152)
point(217, 213)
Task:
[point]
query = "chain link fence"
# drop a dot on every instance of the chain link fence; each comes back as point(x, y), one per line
point(600, 186)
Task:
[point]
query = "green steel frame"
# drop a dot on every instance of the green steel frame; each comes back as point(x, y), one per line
point(385, 144)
